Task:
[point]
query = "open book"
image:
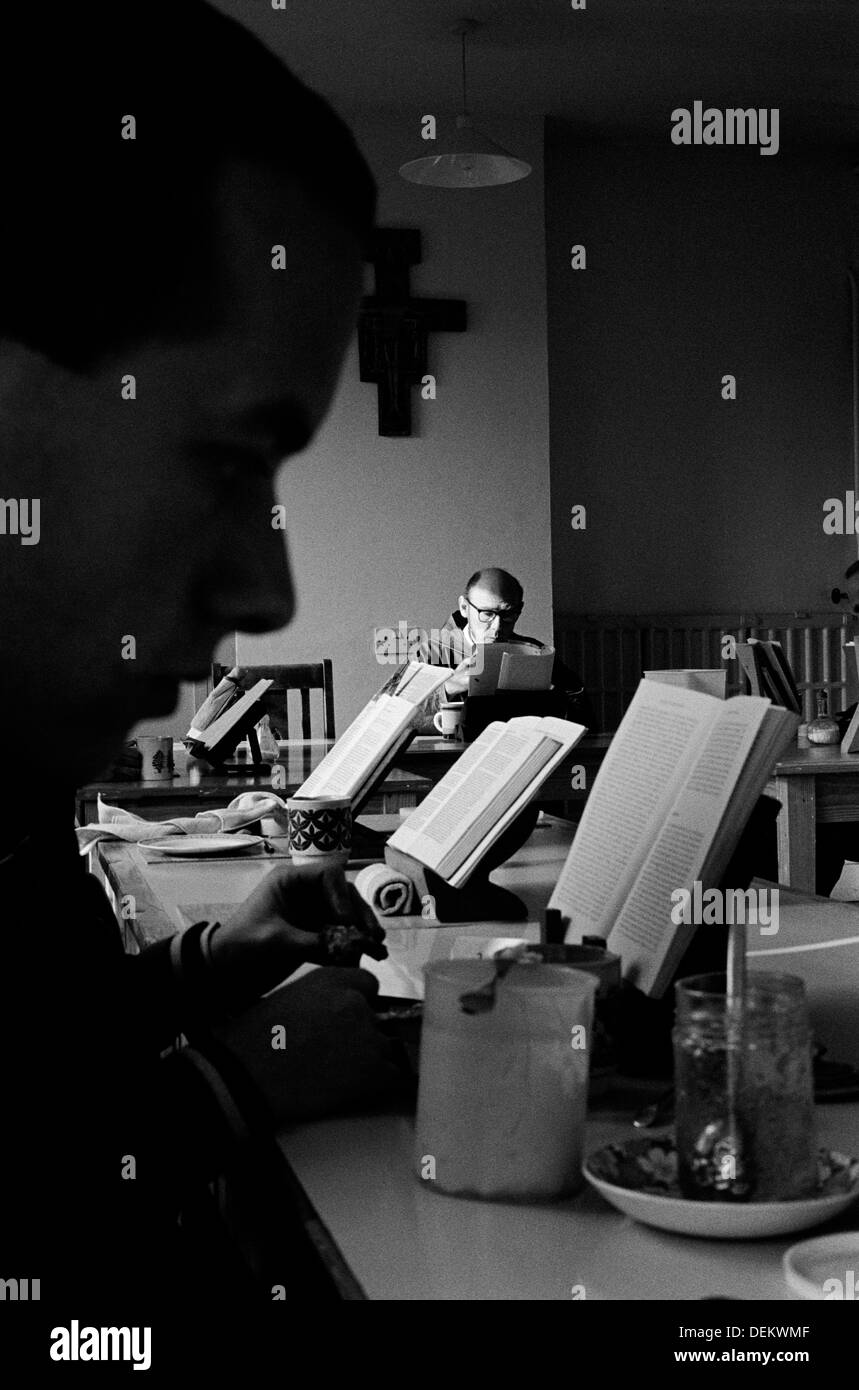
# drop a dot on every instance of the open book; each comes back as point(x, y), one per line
point(668, 806)
point(526, 669)
point(363, 754)
point(480, 795)
point(510, 666)
point(769, 672)
point(218, 738)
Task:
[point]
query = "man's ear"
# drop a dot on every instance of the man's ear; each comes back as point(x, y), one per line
point(463, 606)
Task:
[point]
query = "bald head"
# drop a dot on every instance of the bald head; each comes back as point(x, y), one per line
point(491, 605)
point(500, 584)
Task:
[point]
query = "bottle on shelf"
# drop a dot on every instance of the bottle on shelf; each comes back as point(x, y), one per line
point(823, 729)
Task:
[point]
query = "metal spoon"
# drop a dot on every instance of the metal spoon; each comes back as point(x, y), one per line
point(480, 1001)
point(722, 1159)
point(659, 1112)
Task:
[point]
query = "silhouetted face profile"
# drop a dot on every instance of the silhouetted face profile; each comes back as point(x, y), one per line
point(156, 513)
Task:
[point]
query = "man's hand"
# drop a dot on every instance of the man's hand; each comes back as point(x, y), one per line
point(313, 1047)
point(458, 682)
point(283, 924)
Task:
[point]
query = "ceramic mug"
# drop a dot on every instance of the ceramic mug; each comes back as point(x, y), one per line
point(448, 720)
point(503, 1091)
point(157, 758)
point(319, 829)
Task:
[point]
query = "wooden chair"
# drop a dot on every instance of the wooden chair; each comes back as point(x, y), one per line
point(303, 678)
point(247, 1223)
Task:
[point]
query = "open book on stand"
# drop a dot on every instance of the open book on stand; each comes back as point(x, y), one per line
point(769, 672)
point(482, 794)
point(667, 809)
point(214, 735)
point(362, 755)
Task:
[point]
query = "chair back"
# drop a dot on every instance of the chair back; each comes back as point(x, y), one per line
point(248, 1226)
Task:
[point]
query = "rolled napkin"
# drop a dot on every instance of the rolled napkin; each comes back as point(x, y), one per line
point(116, 824)
point(388, 891)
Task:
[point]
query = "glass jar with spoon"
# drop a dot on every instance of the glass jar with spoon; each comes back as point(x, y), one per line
point(745, 1120)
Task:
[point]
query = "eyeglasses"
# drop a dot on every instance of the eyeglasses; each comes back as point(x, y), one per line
point(488, 615)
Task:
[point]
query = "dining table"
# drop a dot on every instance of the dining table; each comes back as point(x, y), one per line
point(815, 785)
point(389, 1235)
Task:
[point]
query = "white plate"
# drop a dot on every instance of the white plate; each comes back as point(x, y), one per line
point(669, 1211)
point(204, 844)
point(809, 1265)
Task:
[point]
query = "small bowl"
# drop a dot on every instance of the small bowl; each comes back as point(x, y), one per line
point(640, 1179)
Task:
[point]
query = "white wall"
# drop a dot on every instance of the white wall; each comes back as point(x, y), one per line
point(388, 529)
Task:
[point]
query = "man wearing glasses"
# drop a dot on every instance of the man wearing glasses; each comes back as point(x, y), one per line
point(488, 611)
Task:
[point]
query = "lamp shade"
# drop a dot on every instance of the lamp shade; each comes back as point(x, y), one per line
point(471, 161)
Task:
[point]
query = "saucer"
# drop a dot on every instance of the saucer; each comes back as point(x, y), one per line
point(825, 1268)
point(195, 845)
point(640, 1179)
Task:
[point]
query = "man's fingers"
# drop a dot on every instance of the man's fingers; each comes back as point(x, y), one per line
point(309, 901)
point(364, 916)
point(337, 894)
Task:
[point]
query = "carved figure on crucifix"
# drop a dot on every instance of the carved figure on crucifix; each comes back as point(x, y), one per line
point(393, 328)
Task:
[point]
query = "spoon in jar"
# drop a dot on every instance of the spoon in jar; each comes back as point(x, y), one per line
point(480, 1001)
point(722, 1160)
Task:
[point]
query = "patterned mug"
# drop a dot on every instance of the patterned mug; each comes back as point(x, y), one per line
point(320, 829)
point(157, 757)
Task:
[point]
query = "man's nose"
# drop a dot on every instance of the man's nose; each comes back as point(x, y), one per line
point(252, 587)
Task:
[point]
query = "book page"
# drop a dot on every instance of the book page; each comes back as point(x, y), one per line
point(528, 670)
point(410, 834)
point(350, 764)
point(643, 770)
point(559, 738)
point(343, 771)
point(643, 935)
point(215, 731)
point(776, 734)
point(467, 810)
point(419, 681)
point(487, 657)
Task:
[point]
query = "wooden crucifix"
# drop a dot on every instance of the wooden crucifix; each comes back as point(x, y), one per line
point(393, 328)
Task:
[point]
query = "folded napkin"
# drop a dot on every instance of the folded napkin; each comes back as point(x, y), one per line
point(388, 891)
point(117, 824)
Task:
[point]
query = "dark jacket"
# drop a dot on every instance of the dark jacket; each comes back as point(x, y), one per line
point(86, 1097)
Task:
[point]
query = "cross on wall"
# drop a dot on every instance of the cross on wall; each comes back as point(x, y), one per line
point(393, 327)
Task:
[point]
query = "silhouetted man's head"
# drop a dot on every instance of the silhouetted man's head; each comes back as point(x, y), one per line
point(159, 354)
point(491, 605)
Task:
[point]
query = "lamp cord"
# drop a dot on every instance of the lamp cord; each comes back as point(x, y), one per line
point(464, 94)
